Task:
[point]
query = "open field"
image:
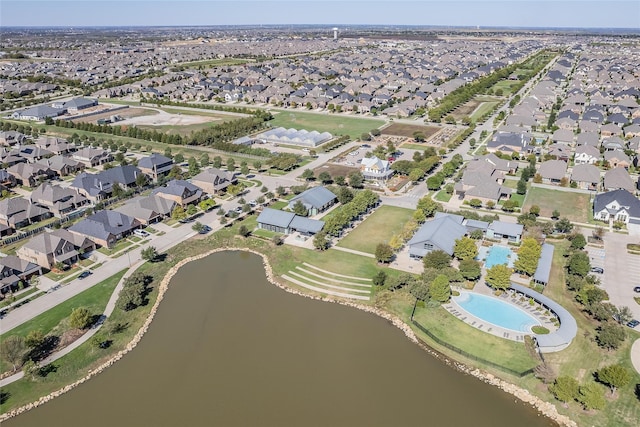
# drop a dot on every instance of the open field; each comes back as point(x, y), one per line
point(335, 169)
point(574, 206)
point(400, 129)
point(377, 228)
point(127, 113)
point(332, 123)
point(505, 85)
point(484, 108)
point(466, 109)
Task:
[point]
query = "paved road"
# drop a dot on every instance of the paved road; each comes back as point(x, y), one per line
point(621, 271)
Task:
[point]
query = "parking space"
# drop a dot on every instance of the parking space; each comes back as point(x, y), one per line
point(621, 272)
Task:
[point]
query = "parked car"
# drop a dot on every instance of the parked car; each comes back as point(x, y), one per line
point(140, 233)
point(84, 274)
point(252, 203)
point(205, 229)
point(636, 289)
point(598, 270)
point(365, 146)
point(633, 323)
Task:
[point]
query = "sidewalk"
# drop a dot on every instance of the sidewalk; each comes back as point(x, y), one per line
point(635, 355)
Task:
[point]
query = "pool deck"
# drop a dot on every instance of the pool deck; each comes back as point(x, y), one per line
point(510, 334)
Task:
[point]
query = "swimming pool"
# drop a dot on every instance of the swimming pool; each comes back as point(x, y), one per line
point(496, 312)
point(497, 255)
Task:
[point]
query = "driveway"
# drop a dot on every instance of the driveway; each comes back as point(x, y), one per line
point(621, 271)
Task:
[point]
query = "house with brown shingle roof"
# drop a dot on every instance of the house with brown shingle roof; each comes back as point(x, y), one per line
point(586, 176)
point(552, 171)
point(618, 179)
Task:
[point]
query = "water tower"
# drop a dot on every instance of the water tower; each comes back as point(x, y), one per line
point(335, 33)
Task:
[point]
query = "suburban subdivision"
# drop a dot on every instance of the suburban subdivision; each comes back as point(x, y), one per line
point(481, 187)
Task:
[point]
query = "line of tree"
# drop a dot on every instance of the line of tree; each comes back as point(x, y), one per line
point(256, 112)
point(361, 203)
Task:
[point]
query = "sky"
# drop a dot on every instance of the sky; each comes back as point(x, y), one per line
point(483, 13)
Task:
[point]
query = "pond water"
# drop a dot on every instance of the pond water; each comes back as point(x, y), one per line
point(227, 348)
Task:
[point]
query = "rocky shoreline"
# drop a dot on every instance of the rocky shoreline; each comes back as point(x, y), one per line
point(547, 409)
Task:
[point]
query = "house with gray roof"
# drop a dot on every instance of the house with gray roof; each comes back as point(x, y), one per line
point(155, 166)
point(586, 176)
point(105, 227)
point(438, 234)
point(505, 230)
point(618, 179)
point(58, 200)
point(315, 200)
point(552, 171)
point(12, 137)
point(19, 212)
point(214, 181)
point(92, 157)
point(373, 168)
point(30, 174)
point(99, 186)
point(287, 222)
point(37, 113)
point(14, 270)
point(149, 209)
point(179, 191)
point(50, 248)
point(61, 165)
point(76, 104)
point(586, 155)
point(618, 205)
point(616, 158)
point(510, 142)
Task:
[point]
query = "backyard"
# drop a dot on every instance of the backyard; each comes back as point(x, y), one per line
point(377, 228)
point(572, 205)
point(332, 123)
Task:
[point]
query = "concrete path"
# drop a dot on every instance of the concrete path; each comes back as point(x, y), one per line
point(352, 251)
point(635, 355)
point(324, 291)
point(342, 282)
point(306, 264)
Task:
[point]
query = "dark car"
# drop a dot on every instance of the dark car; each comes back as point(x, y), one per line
point(84, 274)
point(636, 289)
point(365, 146)
point(599, 270)
point(633, 323)
point(205, 229)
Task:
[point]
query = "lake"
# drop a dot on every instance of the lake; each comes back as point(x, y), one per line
point(227, 348)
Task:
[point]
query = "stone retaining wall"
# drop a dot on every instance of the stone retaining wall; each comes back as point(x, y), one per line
point(546, 408)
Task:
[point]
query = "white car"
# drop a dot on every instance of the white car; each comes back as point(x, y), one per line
point(140, 233)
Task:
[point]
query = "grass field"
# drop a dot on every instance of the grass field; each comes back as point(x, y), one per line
point(443, 196)
point(574, 206)
point(401, 129)
point(95, 299)
point(377, 228)
point(335, 169)
point(183, 130)
point(333, 123)
point(505, 85)
point(484, 108)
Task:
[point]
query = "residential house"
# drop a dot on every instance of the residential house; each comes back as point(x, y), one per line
point(149, 209)
point(12, 137)
point(586, 176)
point(617, 158)
point(14, 270)
point(7, 180)
point(92, 157)
point(586, 155)
point(31, 153)
point(287, 222)
point(618, 205)
point(99, 186)
point(62, 165)
point(563, 136)
point(18, 212)
point(315, 200)
point(105, 227)
point(214, 181)
point(155, 166)
point(438, 234)
point(181, 192)
point(510, 142)
point(505, 230)
point(588, 138)
point(375, 169)
point(618, 178)
point(58, 200)
point(552, 171)
point(50, 248)
point(30, 174)
point(54, 145)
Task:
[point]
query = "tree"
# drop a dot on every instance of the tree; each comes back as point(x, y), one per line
point(340, 180)
point(299, 208)
point(178, 158)
point(544, 372)
point(356, 180)
point(384, 253)
point(365, 137)
point(440, 290)
point(243, 231)
point(465, 248)
point(429, 206)
point(150, 253)
point(217, 162)
point(30, 369)
point(396, 242)
point(579, 264)
point(470, 269)
point(308, 175)
point(509, 205)
point(419, 216)
point(610, 335)
point(325, 177)
point(231, 164)
point(436, 259)
point(564, 225)
point(34, 339)
point(12, 350)
point(591, 396)
point(565, 389)
point(521, 187)
point(578, 241)
point(598, 233)
point(499, 276)
point(475, 203)
point(534, 210)
point(281, 191)
point(116, 190)
point(257, 165)
point(614, 376)
point(528, 256)
point(175, 172)
point(321, 241)
point(555, 214)
point(416, 175)
point(379, 278)
point(622, 315)
point(80, 318)
point(204, 160)
point(141, 180)
point(178, 213)
point(198, 227)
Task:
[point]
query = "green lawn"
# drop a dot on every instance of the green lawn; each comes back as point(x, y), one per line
point(509, 354)
point(377, 228)
point(124, 243)
point(335, 124)
point(484, 108)
point(574, 206)
point(443, 196)
point(505, 85)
